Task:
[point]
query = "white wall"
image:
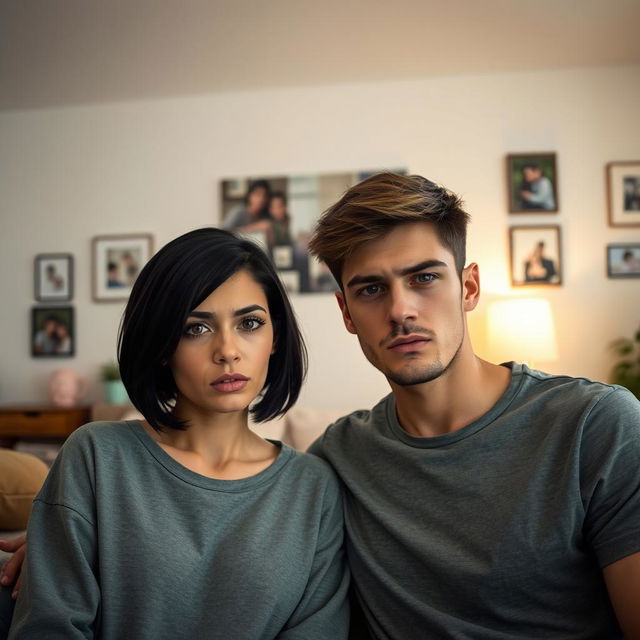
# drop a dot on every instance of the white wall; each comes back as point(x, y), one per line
point(69, 174)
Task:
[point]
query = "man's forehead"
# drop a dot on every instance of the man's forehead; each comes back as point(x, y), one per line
point(401, 249)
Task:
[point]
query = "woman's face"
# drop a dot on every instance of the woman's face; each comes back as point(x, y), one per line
point(257, 199)
point(221, 362)
point(277, 209)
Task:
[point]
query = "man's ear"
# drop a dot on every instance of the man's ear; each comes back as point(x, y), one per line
point(470, 287)
point(346, 316)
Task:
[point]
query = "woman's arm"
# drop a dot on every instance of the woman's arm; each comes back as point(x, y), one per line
point(60, 595)
point(323, 611)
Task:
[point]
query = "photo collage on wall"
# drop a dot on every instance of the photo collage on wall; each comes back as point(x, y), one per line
point(52, 324)
point(536, 256)
point(279, 213)
point(535, 250)
point(116, 262)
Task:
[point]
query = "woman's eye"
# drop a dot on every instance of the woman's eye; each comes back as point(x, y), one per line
point(251, 324)
point(196, 329)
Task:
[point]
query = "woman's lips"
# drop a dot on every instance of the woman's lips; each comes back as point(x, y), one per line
point(229, 383)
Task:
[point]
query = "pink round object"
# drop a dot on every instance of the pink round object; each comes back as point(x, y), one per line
point(66, 387)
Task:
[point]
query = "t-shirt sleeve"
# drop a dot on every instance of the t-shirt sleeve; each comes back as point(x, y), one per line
point(323, 611)
point(610, 483)
point(60, 596)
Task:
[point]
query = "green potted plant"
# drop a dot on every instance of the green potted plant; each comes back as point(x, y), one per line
point(626, 372)
point(113, 387)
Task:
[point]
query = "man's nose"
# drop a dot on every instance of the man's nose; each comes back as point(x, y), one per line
point(401, 304)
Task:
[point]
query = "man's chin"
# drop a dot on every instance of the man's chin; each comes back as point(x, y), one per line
point(415, 377)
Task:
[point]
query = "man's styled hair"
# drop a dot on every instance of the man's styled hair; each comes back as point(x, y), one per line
point(173, 283)
point(372, 208)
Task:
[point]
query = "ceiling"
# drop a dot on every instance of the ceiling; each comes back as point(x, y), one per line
point(60, 52)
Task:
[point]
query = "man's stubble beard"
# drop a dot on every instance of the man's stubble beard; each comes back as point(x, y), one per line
point(420, 373)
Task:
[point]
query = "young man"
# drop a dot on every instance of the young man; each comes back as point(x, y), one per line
point(482, 501)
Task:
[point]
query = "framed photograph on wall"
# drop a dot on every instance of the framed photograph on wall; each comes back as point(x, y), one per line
point(53, 277)
point(535, 256)
point(279, 214)
point(116, 262)
point(52, 332)
point(532, 181)
point(623, 194)
point(623, 260)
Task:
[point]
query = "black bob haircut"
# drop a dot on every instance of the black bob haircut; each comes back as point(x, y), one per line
point(173, 283)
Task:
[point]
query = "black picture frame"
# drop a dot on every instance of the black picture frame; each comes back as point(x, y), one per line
point(52, 332)
point(53, 277)
point(524, 171)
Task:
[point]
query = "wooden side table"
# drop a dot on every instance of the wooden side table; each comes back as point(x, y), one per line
point(25, 421)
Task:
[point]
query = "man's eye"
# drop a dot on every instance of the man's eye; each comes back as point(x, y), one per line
point(421, 278)
point(370, 290)
point(196, 329)
point(251, 324)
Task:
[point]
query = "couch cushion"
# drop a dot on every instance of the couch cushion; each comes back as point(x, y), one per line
point(21, 476)
point(305, 424)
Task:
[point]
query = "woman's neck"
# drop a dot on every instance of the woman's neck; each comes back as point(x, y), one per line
point(216, 445)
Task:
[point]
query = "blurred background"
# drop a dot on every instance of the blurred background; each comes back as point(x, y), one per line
point(125, 117)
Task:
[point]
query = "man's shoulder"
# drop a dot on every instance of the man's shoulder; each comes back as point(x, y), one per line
point(360, 424)
point(578, 392)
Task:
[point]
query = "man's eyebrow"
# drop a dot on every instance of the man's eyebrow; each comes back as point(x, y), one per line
point(427, 264)
point(207, 315)
point(373, 278)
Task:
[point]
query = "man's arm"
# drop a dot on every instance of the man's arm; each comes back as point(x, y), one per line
point(623, 583)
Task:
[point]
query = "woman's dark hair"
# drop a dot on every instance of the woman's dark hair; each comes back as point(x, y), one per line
point(173, 283)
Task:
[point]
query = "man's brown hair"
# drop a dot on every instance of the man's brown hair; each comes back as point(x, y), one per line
point(372, 208)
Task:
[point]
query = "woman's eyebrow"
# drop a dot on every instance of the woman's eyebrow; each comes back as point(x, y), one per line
point(207, 315)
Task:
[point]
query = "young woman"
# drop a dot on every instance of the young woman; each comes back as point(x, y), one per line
point(188, 524)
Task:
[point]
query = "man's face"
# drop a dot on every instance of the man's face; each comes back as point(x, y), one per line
point(403, 299)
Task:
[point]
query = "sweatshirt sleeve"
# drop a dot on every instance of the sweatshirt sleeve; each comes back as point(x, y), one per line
point(323, 611)
point(60, 595)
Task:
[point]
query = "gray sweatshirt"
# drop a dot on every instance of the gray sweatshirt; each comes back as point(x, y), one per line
point(125, 542)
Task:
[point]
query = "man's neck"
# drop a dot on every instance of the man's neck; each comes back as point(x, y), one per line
point(461, 395)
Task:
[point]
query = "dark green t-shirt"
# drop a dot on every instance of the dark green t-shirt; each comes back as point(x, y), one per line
point(500, 529)
point(125, 542)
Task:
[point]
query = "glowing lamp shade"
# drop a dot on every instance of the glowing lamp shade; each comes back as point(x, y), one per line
point(521, 330)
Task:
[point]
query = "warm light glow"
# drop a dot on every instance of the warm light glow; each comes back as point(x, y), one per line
point(522, 330)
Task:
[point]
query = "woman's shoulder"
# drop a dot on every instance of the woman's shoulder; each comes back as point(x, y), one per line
point(98, 434)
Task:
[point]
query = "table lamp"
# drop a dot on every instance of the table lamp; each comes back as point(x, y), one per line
point(521, 329)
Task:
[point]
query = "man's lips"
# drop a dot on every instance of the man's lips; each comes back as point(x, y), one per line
point(408, 343)
point(230, 382)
